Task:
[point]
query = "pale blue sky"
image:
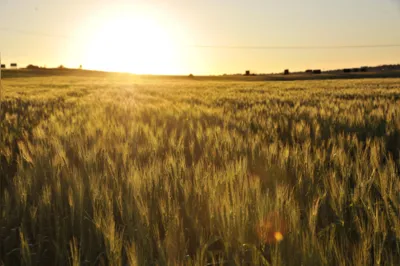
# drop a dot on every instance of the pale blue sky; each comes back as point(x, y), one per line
point(53, 32)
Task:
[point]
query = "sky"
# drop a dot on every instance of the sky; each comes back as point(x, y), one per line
point(199, 37)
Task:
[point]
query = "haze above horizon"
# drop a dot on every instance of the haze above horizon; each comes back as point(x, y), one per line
point(200, 37)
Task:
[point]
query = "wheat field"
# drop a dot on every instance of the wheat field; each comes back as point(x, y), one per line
point(134, 171)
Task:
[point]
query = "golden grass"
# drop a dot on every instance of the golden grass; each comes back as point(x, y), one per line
point(131, 171)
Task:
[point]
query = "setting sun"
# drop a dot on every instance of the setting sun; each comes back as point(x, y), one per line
point(132, 43)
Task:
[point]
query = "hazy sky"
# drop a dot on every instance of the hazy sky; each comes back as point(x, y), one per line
point(158, 35)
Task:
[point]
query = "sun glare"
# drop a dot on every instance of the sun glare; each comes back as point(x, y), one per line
point(132, 44)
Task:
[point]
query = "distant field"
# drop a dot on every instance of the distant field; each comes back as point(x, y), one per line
point(126, 170)
point(25, 73)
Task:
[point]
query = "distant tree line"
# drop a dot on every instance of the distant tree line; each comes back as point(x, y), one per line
point(32, 66)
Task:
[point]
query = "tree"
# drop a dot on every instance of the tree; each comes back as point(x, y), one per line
point(30, 66)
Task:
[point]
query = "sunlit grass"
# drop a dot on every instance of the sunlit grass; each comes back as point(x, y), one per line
point(131, 171)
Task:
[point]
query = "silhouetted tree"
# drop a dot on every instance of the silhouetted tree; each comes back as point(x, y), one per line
point(32, 67)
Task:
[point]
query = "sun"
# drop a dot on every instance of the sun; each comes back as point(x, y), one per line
point(133, 44)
